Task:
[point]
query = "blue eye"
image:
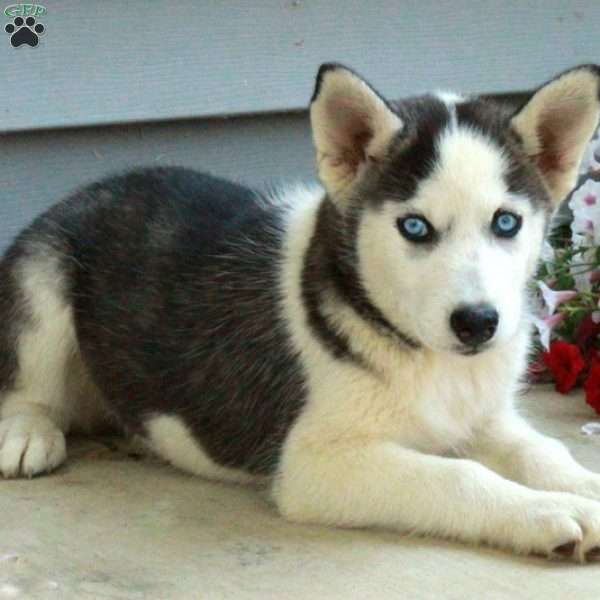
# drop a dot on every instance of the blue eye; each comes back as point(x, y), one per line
point(506, 224)
point(415, 229)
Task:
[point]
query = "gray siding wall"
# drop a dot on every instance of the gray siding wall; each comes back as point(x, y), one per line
point(113, 83)
point(112, 61)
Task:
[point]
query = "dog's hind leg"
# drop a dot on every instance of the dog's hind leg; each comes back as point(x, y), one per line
point(37, 343)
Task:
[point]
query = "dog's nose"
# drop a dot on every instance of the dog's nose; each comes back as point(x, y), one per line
point(474, 324)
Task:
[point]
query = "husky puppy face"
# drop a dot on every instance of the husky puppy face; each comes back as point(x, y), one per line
point(442, 202)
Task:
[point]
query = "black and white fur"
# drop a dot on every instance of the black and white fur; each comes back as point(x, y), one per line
point(299, 336)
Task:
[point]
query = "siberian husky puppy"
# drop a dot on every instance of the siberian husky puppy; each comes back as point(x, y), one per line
point(360, 344)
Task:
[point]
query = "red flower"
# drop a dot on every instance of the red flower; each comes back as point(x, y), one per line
point(565, 362)
point(592, 386)
point(586, 334)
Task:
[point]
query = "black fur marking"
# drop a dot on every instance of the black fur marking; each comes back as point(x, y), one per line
point(412, 155)
point(13, 317)
point(317, 275)
point(330, 266)
point(173, 277)
point(323, 70)
point(350, 288)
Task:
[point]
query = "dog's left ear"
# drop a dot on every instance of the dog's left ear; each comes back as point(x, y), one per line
point(352, 127)
point(557, 123)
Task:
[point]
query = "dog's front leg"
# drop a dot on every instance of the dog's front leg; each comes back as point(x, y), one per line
point(384, 485)
point(510, 446)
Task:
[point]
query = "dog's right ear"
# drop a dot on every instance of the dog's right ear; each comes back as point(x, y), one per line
point(352, 126)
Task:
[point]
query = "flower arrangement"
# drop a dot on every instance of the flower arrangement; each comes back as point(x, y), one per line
point(567, 347)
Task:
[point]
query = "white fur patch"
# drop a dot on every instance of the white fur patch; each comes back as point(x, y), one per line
point(170, 439)
point(52, 390)
point(303, 205)
point(45, 345)
point(450, 99)
point(51, 377)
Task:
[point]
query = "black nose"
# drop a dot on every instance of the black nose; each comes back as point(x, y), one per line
point(474, 324)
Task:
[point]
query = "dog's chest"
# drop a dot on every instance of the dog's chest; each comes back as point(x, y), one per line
point(433, 406)
point(445, 408)
point(451, 397)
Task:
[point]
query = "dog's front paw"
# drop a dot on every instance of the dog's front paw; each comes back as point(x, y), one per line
point(561, 525)
point(30, 445)
point(588, 487)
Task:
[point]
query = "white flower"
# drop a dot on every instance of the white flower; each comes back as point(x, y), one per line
point(592, 428)
point(585, 230)
point(552, 299)
point(589, 162)
point(585, 204)
point(580, 271)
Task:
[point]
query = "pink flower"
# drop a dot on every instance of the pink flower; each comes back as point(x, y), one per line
point(537, 371)
point(553, 299)
point(545, 326)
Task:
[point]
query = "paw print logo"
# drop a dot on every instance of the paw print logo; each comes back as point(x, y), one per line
point(24, 31)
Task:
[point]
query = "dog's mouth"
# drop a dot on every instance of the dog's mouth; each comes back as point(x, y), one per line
point(471, 350)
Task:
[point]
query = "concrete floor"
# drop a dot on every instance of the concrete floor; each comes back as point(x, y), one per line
point(113, 526)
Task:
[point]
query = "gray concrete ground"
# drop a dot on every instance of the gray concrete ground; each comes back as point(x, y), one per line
point(112, 526)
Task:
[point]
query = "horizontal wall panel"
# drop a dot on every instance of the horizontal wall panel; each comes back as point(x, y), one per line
point(120, 62)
